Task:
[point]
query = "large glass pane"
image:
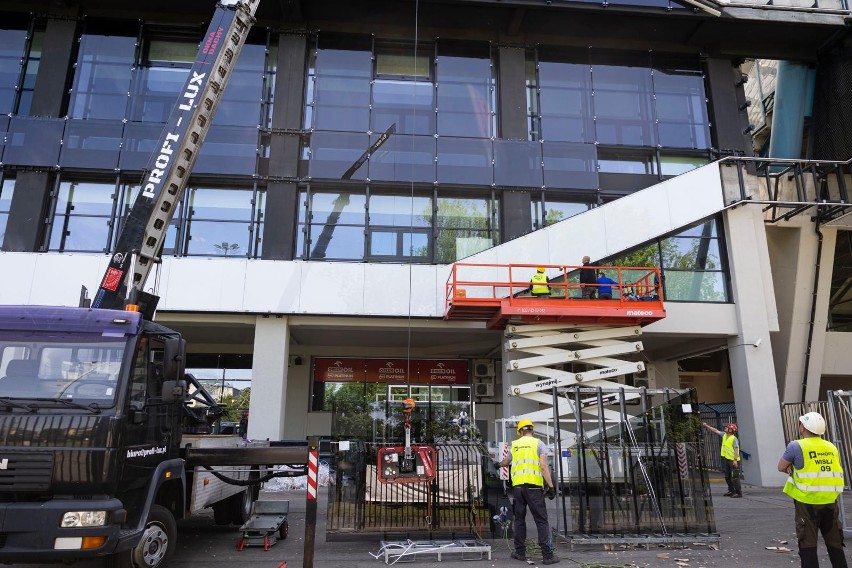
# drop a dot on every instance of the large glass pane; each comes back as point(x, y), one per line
point(156, 93)
point(400, 211)
point(463, 228)
point(408, 104)
point(33, 141)
point(11, 53)
point(464, 96)
point(228, 150)
point(7, 188)
point(91, 144)
point(570, 165)
point(4, 126)
point(337, 242)
point(623, 100)
point(566, 103)
point(338, 155)
point(338, 208)
point(556, 211)
point(140, 141)
point(343, 90)
point(31, 65)
point(79, 234)
point(681, 103)
point(83, 214)
point(706, 230)
point(403, 158)
point(85, 198)
point(691, 253)
point(243, 97)
point(676, 165)
point(102, 77)
point(695, 286)
point(465, 161)
point(222, 204)
point(211, 238)
point(517, 163)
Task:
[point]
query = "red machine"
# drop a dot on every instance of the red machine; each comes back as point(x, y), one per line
point(406, 464)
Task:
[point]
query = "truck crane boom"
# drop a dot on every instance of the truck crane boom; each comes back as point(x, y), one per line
point(141, 238)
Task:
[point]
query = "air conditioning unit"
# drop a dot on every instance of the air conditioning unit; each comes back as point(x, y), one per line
point(483, 389)
point(483, 369)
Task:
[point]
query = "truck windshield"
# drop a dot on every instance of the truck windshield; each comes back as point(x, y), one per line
point(67, 366)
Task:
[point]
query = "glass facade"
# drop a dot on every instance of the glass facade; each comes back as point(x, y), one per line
point(401, 158)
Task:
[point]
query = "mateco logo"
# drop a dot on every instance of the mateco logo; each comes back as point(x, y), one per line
point(640, 313)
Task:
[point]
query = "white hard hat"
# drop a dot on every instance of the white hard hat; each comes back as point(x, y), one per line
point(813, 423)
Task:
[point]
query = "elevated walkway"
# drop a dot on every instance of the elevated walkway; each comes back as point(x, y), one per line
point(500, 293)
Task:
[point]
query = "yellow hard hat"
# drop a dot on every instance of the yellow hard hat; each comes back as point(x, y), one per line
point(541, 269)
point(524, 424)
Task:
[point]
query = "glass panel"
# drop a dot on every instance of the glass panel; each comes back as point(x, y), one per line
point(4, 126)
point(566, 102)
point(681, 106)
point(691, 253)
point(398, 243)
point(462, 228)
point(338, 208)
point(228, 150)
point(157, 92)
point(211, 238)
point(222, 204)
point(676, 165)
point(410, 105)
point(464, 95)
point(102, 77)
point(33, 141)
point(334, 155)
point(7, 188)
point(517, 162)
point(31, 66)
point(242, 100)
point(626, 162)
point(140, 141)
point(570, 165)
point(556, 211)
point(383, 243)
point(465, 161)
point(337, 242)
point(81, 234)
point(402, 62)
point(85, 198)
point(343, 90)
point(707, 230)
point(91, 144)
point(695, 286)
point(400, 211)
point(404, 158)
point(12, 44)
point(623, 103)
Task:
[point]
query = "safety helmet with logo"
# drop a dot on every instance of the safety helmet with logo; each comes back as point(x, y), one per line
point(523, 424)
point(732, 427)
point(540, 269)
point(813, 423)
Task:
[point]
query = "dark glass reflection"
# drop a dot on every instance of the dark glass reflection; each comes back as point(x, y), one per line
point(102, 77)
point(91, 144)
point(343, 90)
point(517, 162)
point(11, 51)
point(464, 97)
point(33, 141)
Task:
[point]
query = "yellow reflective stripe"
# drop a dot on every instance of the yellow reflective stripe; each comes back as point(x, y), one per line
point(820, 474)
point(815, 488)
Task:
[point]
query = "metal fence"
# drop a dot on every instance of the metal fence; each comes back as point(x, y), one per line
point(451, 506)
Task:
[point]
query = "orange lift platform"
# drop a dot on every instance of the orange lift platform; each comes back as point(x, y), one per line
point(500, 293)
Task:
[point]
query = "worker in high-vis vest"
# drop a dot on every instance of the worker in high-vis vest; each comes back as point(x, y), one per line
point(539, 283)
point(730, 458)
point(815, 481)
point(530, 475)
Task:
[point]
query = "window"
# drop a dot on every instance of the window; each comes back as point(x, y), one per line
point(566, 96)
point(463, 226)
point(12, 44)
point(31, 64)
point(219, 222)
point(465, 91)
point(553, 211)
point(680, 103)
point(162, 74)
point(623, 99)
point(7, 188)
point(83, 216)
point(400, 227)
point(403, 91)
point(331, 225)
point(102, 76)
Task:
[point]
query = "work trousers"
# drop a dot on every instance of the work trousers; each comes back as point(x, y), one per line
point(732, 477)
point(532, 496)
point(811, 519)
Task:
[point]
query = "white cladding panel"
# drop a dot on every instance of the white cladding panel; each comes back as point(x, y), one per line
point(332, 288)
point(273, 286)
point(202, 284)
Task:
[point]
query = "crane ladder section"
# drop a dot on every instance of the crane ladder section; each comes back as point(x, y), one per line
point(171, 163)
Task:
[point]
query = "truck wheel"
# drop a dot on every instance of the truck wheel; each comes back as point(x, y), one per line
point(241, 504)
point(157, 544)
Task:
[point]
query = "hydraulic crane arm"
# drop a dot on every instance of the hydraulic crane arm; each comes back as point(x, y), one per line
point(141, 238)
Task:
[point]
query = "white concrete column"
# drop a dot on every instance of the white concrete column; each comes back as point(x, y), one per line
point(269, 378)
point(753, 374)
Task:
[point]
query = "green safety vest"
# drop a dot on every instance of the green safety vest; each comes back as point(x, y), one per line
point(539, 282)
point(728, 451)
point(820, 480)
point(526, 467)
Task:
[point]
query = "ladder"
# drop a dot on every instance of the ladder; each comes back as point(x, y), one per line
point(141, 238)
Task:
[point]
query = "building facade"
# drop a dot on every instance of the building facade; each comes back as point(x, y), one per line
point(362, 147)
